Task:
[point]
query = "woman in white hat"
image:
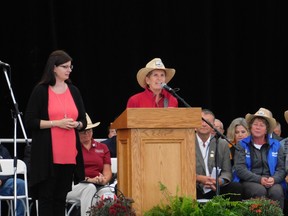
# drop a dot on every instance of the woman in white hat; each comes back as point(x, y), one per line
point(97, 164)
point(259, 160)
point(150, 78)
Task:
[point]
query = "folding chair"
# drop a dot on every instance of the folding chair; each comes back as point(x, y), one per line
point(71, 204)
point(114, 165)
point(7, 168)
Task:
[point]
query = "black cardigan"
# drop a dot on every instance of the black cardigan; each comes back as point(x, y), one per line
point(41, 148)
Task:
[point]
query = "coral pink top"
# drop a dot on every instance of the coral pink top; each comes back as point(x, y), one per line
point(63, 141)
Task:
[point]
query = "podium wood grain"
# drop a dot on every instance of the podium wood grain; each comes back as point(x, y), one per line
point(156, 145)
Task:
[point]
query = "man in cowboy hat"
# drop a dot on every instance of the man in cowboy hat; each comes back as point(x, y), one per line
point(151, 78)
point(97, 164)
point(259, 161)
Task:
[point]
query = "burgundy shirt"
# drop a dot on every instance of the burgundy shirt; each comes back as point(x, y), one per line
point(95, 158)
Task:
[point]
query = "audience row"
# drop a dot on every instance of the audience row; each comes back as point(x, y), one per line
point(248, 162)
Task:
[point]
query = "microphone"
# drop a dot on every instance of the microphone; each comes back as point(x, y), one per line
point(165, 86)
point(4, 64)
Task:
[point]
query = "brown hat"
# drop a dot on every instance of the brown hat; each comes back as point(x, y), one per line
point(264, 113)
point(286, 116)
point(90, 124)
point(154, 64)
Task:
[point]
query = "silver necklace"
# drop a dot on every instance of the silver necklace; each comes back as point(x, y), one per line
point(61, 104)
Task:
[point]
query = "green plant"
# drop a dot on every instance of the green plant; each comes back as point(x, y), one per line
point(219, 205)
point(261, 206)
point(176, 205)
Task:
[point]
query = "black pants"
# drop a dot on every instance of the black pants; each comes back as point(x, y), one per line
point(233, 191)
point(53, 191)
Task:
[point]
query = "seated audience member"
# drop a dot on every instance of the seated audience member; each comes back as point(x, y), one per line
point(237, 130)
point(112, 132)
point(277, 129)
point(112, 145)
point(111, 142)
point(259, 162)
point(7, 184)
point(218, 124)
point(276, 133)
point(97, 164)
point(206, 159)
point(284, 143)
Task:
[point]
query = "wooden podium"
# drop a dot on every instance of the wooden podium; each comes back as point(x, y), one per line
point(156, 145)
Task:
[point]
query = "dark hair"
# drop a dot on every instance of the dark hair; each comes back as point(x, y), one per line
point(259, 117)
point(207, 111)
point(56, 58)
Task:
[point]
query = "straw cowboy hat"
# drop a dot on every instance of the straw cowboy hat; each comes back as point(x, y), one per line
point(154, 64)
point(286, 116)
point(264, 113)
point(90, 124)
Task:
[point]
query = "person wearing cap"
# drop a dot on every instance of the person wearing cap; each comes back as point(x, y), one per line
point(151, 78)
point(97, 164)
point(259, 160)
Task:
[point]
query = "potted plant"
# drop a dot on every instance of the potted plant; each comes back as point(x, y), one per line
point(219, 205)
point(121, 206)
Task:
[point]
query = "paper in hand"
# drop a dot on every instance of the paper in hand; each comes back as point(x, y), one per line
point(213, 173)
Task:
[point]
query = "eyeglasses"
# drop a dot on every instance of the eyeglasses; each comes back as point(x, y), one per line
point(66, 66)
point(86, 131)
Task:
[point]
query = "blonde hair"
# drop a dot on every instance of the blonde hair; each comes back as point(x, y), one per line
point(233, 125)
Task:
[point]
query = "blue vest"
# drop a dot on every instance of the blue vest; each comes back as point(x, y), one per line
point(272, 157)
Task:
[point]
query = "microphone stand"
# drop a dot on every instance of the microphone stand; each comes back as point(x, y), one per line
point(218, 134)
point(15, 114)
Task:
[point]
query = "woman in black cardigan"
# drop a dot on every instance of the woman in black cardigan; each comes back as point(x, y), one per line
point(54, 114)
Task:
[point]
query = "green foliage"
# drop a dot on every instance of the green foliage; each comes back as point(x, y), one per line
point(184, 206)
point(261, 206)
point(218, 206)
point(221, 206)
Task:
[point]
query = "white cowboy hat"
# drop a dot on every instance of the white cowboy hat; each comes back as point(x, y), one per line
point(89, 123)
point(154, 64)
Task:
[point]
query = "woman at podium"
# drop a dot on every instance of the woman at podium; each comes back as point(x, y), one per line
point(153, 79)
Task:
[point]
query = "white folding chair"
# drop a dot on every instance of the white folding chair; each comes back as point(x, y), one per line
point(114, 165)
point(32, 203)
point(76, 203)
point(73, 204)
point(114, 171)
point(7, 168)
